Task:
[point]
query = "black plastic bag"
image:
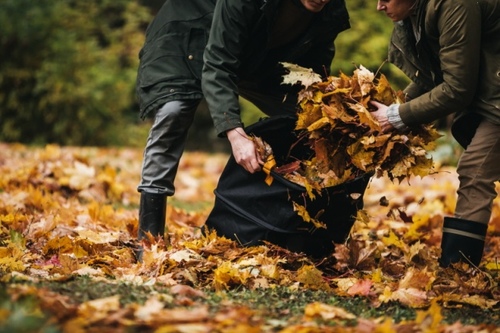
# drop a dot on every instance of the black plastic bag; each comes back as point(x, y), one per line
point(249, 211)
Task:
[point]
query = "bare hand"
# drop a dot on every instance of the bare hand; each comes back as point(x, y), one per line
point(244, 150)
point(381, 116)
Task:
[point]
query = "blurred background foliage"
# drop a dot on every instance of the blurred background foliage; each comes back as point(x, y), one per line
point(67, 70)
point(68, 67)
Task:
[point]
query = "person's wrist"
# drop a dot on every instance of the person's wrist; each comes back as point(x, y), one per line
point(234, 132)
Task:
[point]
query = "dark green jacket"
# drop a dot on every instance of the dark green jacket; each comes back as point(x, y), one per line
point(452, 56)
point(172, 56)
point(238, 51)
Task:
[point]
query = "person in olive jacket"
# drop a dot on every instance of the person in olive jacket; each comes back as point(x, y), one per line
point(451, 52)
point(247, 40)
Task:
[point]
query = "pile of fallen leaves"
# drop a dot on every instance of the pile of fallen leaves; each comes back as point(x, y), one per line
point(67, 212)
point(347, 141)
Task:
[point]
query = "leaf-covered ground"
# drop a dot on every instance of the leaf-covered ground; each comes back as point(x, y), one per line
point(68, 227)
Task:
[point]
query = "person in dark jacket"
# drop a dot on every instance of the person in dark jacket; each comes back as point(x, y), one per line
point(451, 52)
point(243, 50)
point(169, 90)
point(247, 42)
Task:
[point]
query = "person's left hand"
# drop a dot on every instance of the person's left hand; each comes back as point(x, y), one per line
point(381, 115)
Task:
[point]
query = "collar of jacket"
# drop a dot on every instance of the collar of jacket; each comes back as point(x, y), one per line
point(419, 13)
point(403, 54)
point(424, 52)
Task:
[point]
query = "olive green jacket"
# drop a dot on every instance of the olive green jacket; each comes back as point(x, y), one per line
point(172, 56)
point(238, 50)
point(452, 55)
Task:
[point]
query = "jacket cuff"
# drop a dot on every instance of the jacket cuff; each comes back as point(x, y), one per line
point(394, 118)
point(225, 126)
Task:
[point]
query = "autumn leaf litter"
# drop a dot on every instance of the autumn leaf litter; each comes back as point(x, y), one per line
point(67, 212)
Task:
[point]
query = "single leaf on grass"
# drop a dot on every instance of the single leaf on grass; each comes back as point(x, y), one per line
point(361, 287)
point(326, 312)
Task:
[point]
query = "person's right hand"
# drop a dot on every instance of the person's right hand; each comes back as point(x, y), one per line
point(381, 115)
point(244, 150)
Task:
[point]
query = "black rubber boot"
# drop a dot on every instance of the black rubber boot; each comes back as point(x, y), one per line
point(463, 240)
point(152, 213)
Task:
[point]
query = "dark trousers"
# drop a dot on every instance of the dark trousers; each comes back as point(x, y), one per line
point(478, 170)
point(165, 145)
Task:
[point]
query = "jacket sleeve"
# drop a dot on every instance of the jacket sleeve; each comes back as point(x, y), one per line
point(458, 28)
point(413, 90)
point(230, 31)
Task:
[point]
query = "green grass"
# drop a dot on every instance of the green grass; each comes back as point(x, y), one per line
point(276, 307)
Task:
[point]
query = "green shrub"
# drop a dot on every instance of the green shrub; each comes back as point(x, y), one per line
point(67, 70)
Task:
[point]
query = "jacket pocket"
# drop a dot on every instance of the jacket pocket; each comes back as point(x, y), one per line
point(172, 57)
point(197, 42)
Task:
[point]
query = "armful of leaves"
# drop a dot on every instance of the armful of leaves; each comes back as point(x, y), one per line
point(346, 139)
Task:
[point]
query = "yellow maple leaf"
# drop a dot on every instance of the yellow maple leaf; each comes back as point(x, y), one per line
point(63, 244)
point(312, 278)
point(365, 116)
point(318, 124)
point(227, 273)
point(361, 158)
point(423, 166)
point(304, 214)
point(10, 264)
point(392, 239)
point(429, 321)
point(310, 114)
point(383, 91)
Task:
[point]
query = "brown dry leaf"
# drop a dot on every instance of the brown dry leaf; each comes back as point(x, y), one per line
point(187, 291)
point(365, 79)
point(326, 312)
point(178, 315)
point(361, 287)
point(99, 309)
point(410, 296)
point(476, 300)
point(151, 307)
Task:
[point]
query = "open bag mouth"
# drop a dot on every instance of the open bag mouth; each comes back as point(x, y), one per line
point(250, 211)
